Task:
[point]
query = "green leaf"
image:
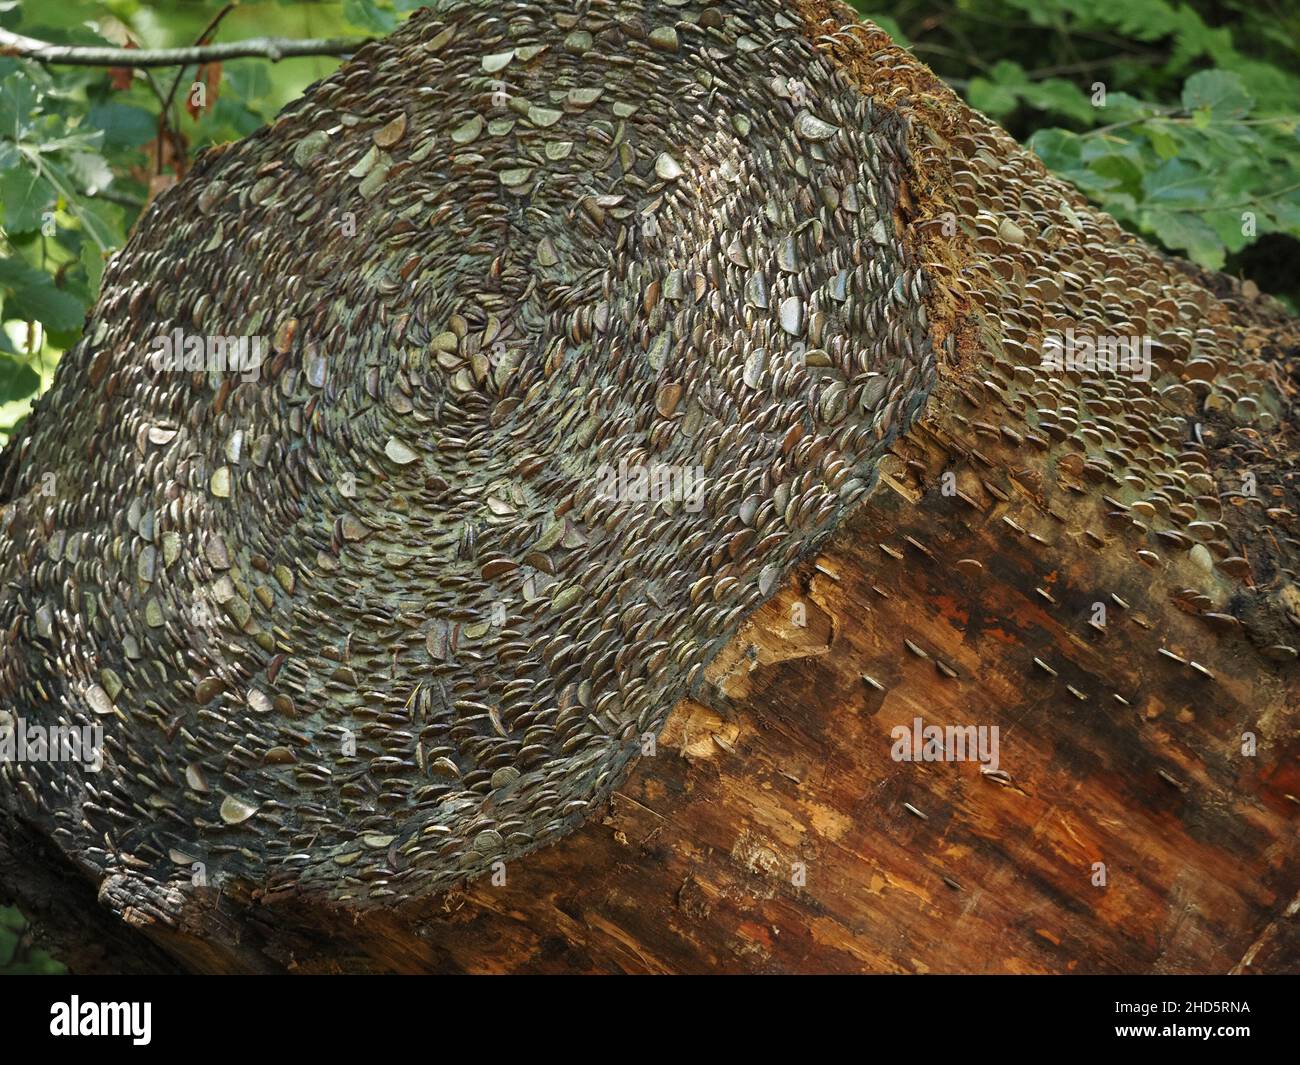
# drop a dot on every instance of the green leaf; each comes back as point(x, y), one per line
point(1188, 232)
point(25, 196)
point(56, 138)
point(52, 307)
point(1285, 215)
point(1121, 170)
point(1227, 227)
point(1008, 72)
point(92, 261)
point(1061, 96)
point(1219, 94)
point(34, 296)
point(87, 211)
point(1039, 12)
point(997, 101)
point(17, 102)
point(1060, 150)
point(1274, 89)
point(370, 15)
point(245, 81)
point(91, 171)
point(1164, 142)
point(102, 219)
point(1176, 182)
point(17, 379)
point(14, 273)
point(1123, 107)
point(1119, 205)
point(123, 125)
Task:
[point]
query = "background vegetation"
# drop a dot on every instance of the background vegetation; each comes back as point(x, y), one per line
point(1199, 125)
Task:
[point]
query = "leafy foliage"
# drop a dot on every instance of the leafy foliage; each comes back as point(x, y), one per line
point(83, 150)
point(1180, 119)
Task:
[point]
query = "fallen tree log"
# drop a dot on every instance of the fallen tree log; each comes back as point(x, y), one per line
point(391, 678)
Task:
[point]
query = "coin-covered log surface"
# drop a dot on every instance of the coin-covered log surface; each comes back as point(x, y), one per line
point(623, 360)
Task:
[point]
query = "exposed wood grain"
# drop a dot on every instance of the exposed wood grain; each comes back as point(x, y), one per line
point(692, 868)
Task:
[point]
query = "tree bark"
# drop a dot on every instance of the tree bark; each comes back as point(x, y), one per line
point(1141, 815)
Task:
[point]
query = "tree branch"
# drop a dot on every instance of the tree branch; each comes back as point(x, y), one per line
point(272, 48)
point(165, 114)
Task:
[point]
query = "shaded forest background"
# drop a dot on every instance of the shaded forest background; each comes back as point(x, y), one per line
point(1182, 119)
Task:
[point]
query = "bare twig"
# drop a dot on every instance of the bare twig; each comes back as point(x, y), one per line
point(164, 116)
point(272, 48)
